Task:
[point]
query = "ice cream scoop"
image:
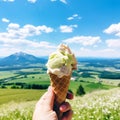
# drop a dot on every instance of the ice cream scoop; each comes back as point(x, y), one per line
point(62, 61)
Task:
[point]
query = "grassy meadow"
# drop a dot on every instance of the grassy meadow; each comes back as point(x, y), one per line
point(98, 105)
point(19, 95)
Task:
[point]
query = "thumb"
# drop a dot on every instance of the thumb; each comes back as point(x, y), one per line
point(51, 97)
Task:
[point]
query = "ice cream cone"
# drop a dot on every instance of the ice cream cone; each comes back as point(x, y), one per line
point(60, 87)
point(60, 65)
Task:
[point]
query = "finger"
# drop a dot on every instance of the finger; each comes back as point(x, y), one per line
point(65, 107)
point(68, 115)
point(48, 98)
point(69, 95)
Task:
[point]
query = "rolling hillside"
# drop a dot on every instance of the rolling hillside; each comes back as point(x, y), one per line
point(99, 105)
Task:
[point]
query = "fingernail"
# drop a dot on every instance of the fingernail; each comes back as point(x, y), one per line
point(63, 107)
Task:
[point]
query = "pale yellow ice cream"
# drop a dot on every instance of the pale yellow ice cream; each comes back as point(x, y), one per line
point(61, 62)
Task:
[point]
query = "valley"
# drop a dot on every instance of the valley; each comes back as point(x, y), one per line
point(22, 83)
point(34, 76)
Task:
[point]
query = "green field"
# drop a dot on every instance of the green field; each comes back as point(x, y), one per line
point(6, 74)
point(89, 86)
point(99, 105)
point(31, 76)
point(33, 79)
point(19, 95)
point(28, 95)
point(101, 101)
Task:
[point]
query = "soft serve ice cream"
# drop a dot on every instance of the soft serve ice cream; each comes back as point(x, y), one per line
point(61, 62)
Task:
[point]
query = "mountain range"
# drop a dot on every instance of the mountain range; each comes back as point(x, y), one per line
point(21, 59)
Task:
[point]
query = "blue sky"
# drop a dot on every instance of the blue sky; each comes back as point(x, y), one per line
point(90, 27)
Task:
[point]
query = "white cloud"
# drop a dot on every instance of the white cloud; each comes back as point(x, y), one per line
point(8, 0)
point(13, 26)
point(32, 1)
point(114, 43)
point(67, 29)
point(113, 29)
point(63, 1)
point(15, 31)
point(16, 38)
point(74, 16)
point(83, 40)
point(5, 20)
point(21, 43)
point(45, 29)
point(107, 52)
point(9, 46)
point(70, 18)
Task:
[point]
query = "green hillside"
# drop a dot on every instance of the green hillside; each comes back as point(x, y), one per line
point(99, 105)
point(19, 95)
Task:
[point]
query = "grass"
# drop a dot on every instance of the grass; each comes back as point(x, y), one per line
point(89, 86)
point(33, 79)
point(19, 95)
point(18, 104)
point(99, 105)
point(6, 74)
point(17, 111)
point(114, 82)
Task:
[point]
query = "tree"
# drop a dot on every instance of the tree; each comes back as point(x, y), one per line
point(3, 86)
point(80, 90)
point(25, 76)
point(118, 84)
point(14, 86)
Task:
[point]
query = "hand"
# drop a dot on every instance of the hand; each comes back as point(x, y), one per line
point(44, 107)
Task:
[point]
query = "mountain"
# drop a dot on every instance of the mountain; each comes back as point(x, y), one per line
point(21, 59)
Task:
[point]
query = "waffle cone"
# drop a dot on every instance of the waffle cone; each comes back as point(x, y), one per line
point(60, 87)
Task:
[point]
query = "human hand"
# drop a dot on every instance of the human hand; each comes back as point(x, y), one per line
point(44, 107)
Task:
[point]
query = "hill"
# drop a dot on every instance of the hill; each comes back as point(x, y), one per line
point(99, 105)
point(21, 59)
point(100, 62)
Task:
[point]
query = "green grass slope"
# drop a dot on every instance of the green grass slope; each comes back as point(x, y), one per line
point(99, 105)
point(19, 95)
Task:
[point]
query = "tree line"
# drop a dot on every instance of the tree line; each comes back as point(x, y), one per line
point(24, 86)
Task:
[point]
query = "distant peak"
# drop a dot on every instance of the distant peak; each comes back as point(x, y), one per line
point(20, 53)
